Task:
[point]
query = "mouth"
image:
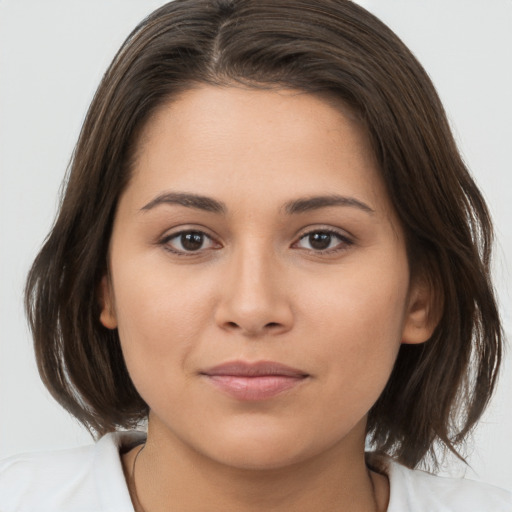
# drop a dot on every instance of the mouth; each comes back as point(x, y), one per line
point(254, 381)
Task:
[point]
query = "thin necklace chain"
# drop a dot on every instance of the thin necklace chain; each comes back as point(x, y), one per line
point(131, 485)
point(140, 508)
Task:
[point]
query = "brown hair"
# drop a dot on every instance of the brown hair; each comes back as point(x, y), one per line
point(437, 390)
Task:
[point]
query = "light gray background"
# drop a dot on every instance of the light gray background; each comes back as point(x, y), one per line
point(52, 56)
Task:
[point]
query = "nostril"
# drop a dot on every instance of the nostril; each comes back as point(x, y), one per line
point(269, 325)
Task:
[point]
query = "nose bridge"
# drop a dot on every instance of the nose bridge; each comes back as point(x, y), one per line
point(253, 298)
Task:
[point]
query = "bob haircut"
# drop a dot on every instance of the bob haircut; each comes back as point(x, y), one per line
point(333, 48)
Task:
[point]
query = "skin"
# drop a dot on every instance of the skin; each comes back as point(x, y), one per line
point(258, 289)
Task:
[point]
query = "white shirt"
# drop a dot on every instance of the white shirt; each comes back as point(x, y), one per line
point(90, 479)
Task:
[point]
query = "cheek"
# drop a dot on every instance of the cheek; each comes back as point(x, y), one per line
point(358, 320)
point(159, 319)
point(372, 303)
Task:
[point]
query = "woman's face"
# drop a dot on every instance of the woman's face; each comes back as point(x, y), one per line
point(259, 278)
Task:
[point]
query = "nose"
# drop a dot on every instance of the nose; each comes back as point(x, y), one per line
point(254, 299)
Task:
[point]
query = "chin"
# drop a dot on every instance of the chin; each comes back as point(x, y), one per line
point(262, 449)
point(265, 457)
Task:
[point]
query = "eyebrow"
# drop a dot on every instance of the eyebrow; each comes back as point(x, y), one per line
point(316, 202)
point(188, 200)
point(296, 206)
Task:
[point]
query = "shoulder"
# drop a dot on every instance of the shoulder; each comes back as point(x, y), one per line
point(422, 492)
point(74, 480)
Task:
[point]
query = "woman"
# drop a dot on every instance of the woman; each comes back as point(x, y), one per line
point(270, 249)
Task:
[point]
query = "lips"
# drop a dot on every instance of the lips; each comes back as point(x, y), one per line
point(254, 381)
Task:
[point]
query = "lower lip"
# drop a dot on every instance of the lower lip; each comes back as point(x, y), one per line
point(254, 388)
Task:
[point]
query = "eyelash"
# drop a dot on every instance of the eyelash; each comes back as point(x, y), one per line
point(344, 240)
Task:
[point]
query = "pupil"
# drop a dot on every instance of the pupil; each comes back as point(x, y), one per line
point(320, 240)
point(192, 241)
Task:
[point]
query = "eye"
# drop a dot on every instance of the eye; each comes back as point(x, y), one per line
point(188, 242)
point(323, 241)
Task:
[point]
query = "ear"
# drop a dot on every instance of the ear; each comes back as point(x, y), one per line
point(423, 313)
point(106, 300)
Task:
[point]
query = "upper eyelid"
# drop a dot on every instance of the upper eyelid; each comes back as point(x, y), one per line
point(342, 233)
point(300, 233)
point(179, 230)
point(331, 231)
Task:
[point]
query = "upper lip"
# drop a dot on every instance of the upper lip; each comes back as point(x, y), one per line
point(253, 369)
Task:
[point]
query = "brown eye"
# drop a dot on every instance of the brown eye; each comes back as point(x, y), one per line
point(323, 241)
point(320, 241)
point(192, 241)
point(188, 242)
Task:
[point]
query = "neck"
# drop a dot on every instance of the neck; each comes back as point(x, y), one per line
point(169, 475)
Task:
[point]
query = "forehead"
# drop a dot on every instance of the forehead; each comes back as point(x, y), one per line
point(226, 139)
point(243, 106)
